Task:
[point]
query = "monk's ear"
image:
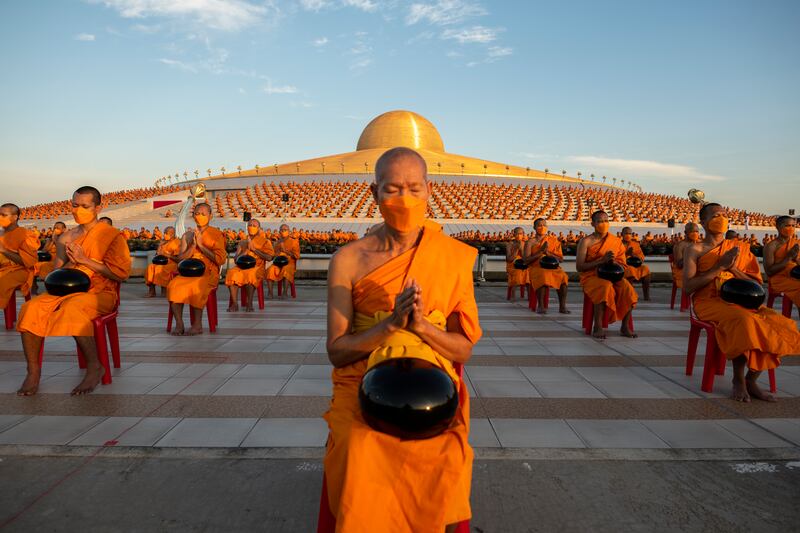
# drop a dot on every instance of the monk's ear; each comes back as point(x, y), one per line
point(98, 208)
point(374, 188)
point(430, 188)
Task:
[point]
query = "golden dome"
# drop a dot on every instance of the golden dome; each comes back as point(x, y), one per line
point(400, 128)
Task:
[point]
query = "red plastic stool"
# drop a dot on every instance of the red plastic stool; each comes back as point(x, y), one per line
point(326, 522)
point(259, 293)
point(715, 361)
point(10, 312)
point(588, 316)
point(211, 311)
point(292, 291)
point(511, 291)
point(786, 303)
point(533, 301)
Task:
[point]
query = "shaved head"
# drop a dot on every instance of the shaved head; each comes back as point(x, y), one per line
point(88, 189)
point(690, 227)
point(203, 207)
point(401, 153)
point(12, 208)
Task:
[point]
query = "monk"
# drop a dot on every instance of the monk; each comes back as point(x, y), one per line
point(642, 273)
point(540, 245)
point(618, 299)
point(780, 257)
point(101, 252)
point(405, 289)
point(18, 246)
point(514, 251)
point(691, 232)
point(753, 339)
point(258, 246)
point(161, 275)
point(106, 220)
point(43, 268)
point(207, 244)
point(290, 247)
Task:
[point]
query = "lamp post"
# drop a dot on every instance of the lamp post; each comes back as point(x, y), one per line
point(239, 168)
point(527, 171)
point(546, 172)
point(579, 175)
point(604, 179)
point(563, 173)
point(222, 169)
point(257, 167)
point(276, 168)
point(439, 164)
point(185, 176)
point(196, 173)
point(462, 169)
point(298, 167)
point(484, 169)
point(366, 168)
point(341, 164)
point(209, 172)
point(323, 168)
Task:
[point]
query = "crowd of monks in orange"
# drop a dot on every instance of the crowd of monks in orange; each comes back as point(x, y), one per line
point(56, 209)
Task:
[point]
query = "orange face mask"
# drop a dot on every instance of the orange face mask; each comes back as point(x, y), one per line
point(167, 237)
point(541, 230)
point(601, 228)
point(5, 221)
point(520, 238)
point(82, 215)
point(693, 236)
point(58, 231)
point(403, 213)
point(201, 220)
point(252, 231)
point(787, 231)
point(627, 238)
point(285, 233)
point(718, 224)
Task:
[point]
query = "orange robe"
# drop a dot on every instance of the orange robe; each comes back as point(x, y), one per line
point(195, 291)
point(161, 275)
point(541, 277)
point(287, 247)
point(677, 272)
point(782, 281)
point(619, 297)
point(377, 482)
point(57, 316)
point(14, 276)
point(636, 273)
point(762, 335)
point(251, 276)
point(43, 268)
point(516, 276)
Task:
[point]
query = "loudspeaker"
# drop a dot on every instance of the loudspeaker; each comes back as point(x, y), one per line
point(247, 216)
point(285, 197)
point(671, 223)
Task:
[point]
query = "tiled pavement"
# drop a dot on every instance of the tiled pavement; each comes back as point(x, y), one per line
point(263, 381)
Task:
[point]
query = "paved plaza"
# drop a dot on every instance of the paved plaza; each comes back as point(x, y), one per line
point(222, 432)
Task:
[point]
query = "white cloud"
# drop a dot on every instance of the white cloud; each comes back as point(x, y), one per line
point(279, 89)
point(444, 12)
point(360, 64)
point(636, 167)
point(500, 51)
point(322, 41)
point(88, 37)
point(475, 34)
point(242, 91)
point(178, 64)
point(364, 5)
point(226, 15)
point(314, 5)
point(318, 5)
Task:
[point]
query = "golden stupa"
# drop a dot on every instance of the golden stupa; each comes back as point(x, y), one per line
point(397, 128)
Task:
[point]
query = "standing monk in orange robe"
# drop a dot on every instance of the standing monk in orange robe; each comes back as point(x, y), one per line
point(161, 275)
point(691, 235)
point(514, 252)
point(618, 298)
point(18, 246)
point(538, 246)
point(405, 289)
point(258, 246)
point(754, 339)
point(101, 252)
point(642, 273)
point(290, 247)
point(207, 244)
point(780, 257)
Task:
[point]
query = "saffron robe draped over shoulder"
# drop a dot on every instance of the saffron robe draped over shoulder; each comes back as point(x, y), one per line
point(636, 273)
point(251, 276)
point(782, 281)
point(619, 297)
point(762, 335)
point(54, 316)
point(377, 482)
point(14, 276)
point(516, 276)
point(195, 291)
point(542, 277)
point(290, 247)
point(161, 275)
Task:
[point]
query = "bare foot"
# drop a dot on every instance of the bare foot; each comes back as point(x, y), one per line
point(90, 381)
point(564, 311)
point(193, 331)
point(755, 391)
point(599, 333)
point(151, 294)
point(177, 332)
point(541, 311)
point(30, 386)
point(740, 391)
point(625, 331)
point(249, 309)
point(646, 298)
point(233, 308)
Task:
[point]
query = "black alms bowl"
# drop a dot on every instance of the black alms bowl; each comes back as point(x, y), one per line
point(43, 256)
point(160, 260)
point(519, 264)
point(191, 268)
point(408, 398)
point(245, 262)
point(634, 261)
point(795, 272)
point(280, 261)
point(748, 294)
point(612, 272)
point(64, 281)
point(548, 262)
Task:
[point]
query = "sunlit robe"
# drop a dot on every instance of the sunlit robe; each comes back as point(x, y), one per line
point(619, 297)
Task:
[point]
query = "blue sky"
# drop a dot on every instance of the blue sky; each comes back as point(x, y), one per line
point(671, 95)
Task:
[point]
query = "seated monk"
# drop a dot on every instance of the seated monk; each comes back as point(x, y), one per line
point(258, 246)
point(18, 246)
point(43, 268)
point(780, 257)
point(538, 246)
point(161, 275)
point(691, 233)
point(515, 250)
point(642, 273)
point(752, 339)
point(290, 247)
point(101, 252)
point(106, 220)
point(405, 289)
point(617, 299)
point(207, 244)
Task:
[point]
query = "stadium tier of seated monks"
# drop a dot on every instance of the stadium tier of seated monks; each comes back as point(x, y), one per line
point(754, 339)
point(260, 248)
point(404, 290)
point(781, 257)
point(101, 253)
